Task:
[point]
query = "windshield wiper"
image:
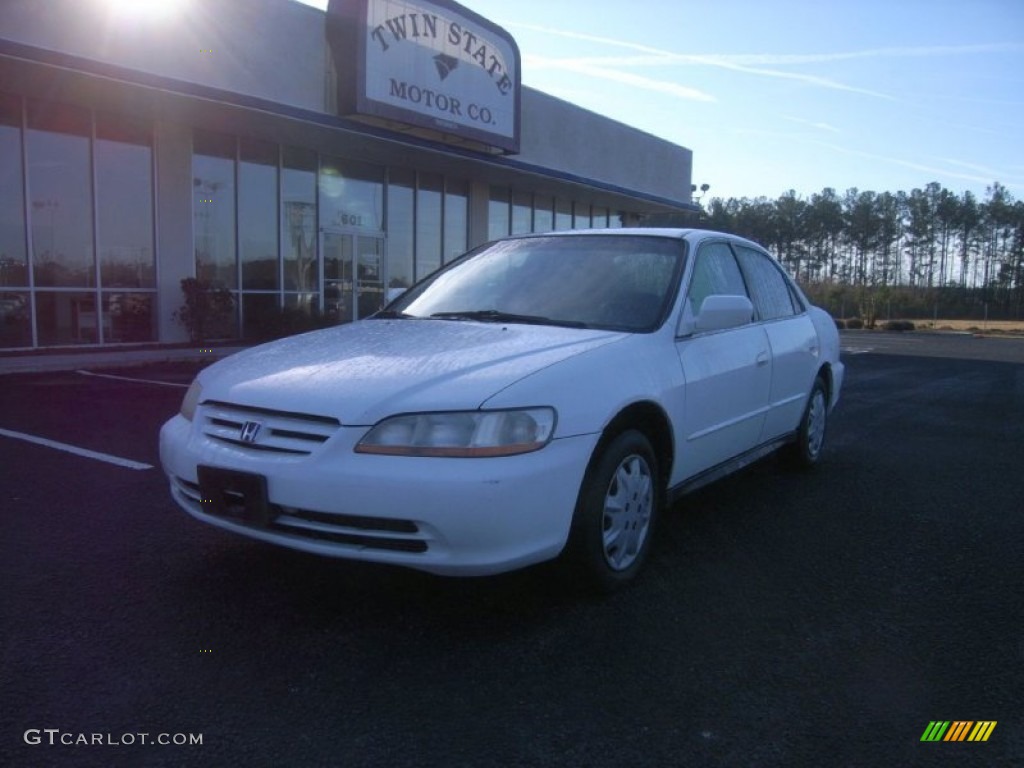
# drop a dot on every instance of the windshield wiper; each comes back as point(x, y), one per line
point(496, 316)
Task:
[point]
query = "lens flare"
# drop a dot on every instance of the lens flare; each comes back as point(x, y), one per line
point(145, 9)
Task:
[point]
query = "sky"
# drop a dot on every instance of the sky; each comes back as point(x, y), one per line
point(882, 95)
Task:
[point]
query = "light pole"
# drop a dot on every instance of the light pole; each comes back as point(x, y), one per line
point(703, 190)
point(702, 214)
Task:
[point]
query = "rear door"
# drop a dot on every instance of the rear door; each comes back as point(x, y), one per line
point(727, 373)
point(791, 336)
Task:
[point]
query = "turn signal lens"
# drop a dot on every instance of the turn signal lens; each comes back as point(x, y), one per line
point(188, 405)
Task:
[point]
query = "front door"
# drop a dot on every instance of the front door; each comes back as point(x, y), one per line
point(728, 372)
point(353, 275)
point(728, 376)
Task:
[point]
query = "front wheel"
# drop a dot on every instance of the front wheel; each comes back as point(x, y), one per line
point(810, 437)
point(616, 512)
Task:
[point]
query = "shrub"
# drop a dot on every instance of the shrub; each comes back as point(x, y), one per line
point(840, 324)
point(286, 321)
point(898, 325)
point(854, 323)
point(208, 312)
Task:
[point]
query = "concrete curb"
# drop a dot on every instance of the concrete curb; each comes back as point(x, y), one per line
point(109, 359)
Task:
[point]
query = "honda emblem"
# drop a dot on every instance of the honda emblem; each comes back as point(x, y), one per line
point(249, 431)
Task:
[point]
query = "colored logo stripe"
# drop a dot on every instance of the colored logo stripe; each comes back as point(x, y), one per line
point(982, 730)
point(958, 730)
point(935, 730)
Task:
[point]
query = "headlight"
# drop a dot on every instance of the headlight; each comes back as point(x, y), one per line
point(188, 405)
point(462, 433)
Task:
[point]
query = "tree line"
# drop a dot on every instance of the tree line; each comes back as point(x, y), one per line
point(926, 246)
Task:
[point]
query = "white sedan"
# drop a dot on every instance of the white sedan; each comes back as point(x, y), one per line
point(541, 395)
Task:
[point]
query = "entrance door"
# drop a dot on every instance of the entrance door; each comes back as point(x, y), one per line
point(353, 275)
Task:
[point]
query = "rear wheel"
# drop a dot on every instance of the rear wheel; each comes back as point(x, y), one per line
point(616, 512)
point(810, 439)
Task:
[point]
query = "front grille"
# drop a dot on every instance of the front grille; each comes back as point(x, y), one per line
point(283, 432)
point(359, 531)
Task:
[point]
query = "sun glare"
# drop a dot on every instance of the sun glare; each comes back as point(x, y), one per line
point(149, 9)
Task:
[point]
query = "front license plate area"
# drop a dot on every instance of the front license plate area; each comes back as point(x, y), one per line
point(234, 495)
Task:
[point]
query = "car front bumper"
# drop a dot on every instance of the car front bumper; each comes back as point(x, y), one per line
point(465, 517)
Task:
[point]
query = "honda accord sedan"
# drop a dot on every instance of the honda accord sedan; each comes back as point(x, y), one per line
point(541, 396)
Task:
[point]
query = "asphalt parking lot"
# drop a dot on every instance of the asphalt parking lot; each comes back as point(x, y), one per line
point(789, 619)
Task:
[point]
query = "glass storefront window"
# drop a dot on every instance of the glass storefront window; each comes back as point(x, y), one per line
point(306, 304)
point(456, 218)
point(257, 215)
point(261, 315)
point(261, 215)
point(581, 216)
point(15, 319)
point(124, 200)
point(543, 214)
point(498, 212)
point(369, 268)
point(13, 256)
point(127, 317)
point(428, 224)
point(401, 185)
point(68, 317)
point(522, 213)
point(61, 204)
point(563, 215)
point(213, 210)
point(351, 195)
point(298, 220)
point(339, 280)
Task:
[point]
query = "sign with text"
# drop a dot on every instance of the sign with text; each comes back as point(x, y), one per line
point(435, 64)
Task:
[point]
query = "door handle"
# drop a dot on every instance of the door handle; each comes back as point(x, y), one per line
point(762, 359)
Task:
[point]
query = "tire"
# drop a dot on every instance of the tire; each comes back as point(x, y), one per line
point(810, 437)
point(616, 513)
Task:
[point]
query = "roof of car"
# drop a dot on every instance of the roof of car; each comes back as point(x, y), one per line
point(674, 232)
point(647, 231)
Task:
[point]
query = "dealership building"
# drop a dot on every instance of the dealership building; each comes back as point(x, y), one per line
point(304, 161)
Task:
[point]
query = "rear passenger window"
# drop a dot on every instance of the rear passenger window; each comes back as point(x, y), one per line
point(714, 272)
point(769, 289)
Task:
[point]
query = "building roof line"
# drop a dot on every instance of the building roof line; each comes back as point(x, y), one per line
point(12, 49)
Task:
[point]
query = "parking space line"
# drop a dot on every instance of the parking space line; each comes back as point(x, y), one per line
point(116, 460)
point(129, 378)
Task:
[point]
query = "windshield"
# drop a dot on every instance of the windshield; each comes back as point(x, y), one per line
point(621, 282)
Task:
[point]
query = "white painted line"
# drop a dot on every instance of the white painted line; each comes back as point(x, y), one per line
point(117, 460)
point(128, 378)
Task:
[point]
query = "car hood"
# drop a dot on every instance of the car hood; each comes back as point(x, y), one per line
point(365, 371)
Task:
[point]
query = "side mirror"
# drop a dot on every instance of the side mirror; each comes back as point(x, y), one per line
point(719, 312)
point(393, 293)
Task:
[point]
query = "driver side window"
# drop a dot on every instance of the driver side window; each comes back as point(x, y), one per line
point(714, 272)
